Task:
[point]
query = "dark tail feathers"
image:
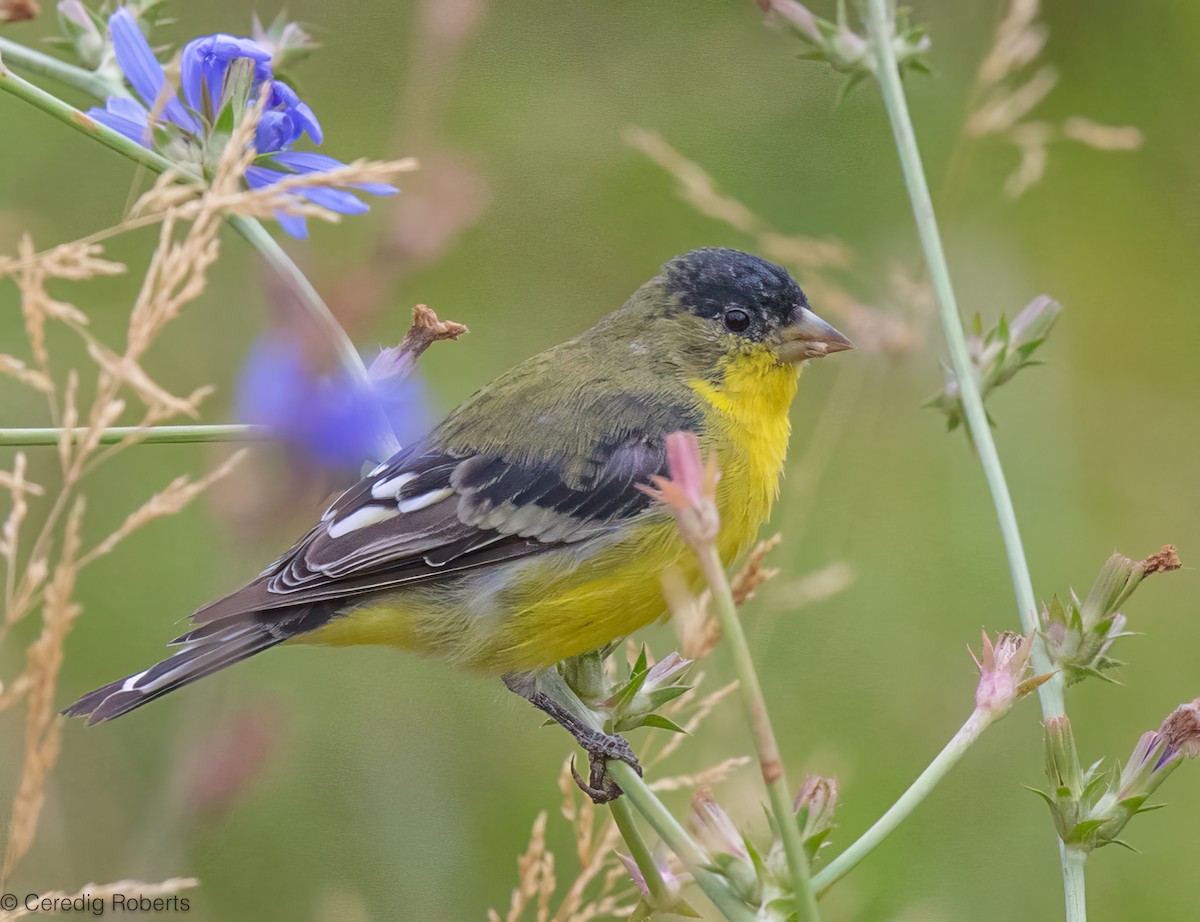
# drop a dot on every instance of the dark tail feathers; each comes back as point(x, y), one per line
point(205, 650)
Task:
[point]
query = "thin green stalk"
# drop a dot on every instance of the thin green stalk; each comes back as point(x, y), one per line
point(153, 435)
point(44, 65)
point(660, 893)
point(249, 228)
point(1050, 694)
point(677, 839)
point(1073, 860)
point(879, 21)
point(769, 759)
point(908, 801)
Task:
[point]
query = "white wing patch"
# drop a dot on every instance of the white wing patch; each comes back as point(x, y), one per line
point(388, 489)
point(415, 503)
point(361, 518)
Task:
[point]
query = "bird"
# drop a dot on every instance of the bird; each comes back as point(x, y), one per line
point(518, 532)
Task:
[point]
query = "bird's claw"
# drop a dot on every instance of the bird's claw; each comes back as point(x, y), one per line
point(600, 786)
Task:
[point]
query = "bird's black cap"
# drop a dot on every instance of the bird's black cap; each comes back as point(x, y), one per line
point(712, 280)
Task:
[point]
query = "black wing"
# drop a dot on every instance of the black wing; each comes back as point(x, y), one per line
point(428, 513)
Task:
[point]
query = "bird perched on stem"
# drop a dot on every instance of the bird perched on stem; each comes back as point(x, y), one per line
point(515, 534)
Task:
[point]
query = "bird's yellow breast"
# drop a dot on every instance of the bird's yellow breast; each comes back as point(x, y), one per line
point(536, 611)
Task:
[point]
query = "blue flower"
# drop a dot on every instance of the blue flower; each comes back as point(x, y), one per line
point(333, 421)
point(205, 62)
point(204, 69)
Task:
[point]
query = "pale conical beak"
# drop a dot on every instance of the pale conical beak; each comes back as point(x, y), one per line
point(811, 338)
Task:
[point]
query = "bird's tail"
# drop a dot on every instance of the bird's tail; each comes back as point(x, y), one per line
point(203, 651)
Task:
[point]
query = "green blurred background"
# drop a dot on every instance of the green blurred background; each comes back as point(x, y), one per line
point(391, 788)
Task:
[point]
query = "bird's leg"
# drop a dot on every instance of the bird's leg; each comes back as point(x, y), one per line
point(550, 694)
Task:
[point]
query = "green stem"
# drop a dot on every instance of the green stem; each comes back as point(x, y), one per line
point(1050, 693)
point(660, 893)
point(277, 258)
point(879, 23)
point(44, 65)
point(677, 839)
point(769, 759)
point(249, 228)
point(153, 435)
point(1073, 860)
point(908, 801)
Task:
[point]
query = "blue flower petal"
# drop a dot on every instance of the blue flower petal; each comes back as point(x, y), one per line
point(141, 67)
point(127, 116)
point(205, 62)
point(284, 98)
point(306, 162)
point(334, 421)
point(335, 200)
point(293, 225)
point(274, 131)
point(376, 188)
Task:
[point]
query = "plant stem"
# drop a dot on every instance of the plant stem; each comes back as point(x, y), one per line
point(277, 258)
point(677, 839)
point(1073, 860)
point(660, 894)
point(152, 435)
point(879, 23)
point(249, 228)
point(44, 65)
point(769, 759)
point(1050, 694)
point(908, 801)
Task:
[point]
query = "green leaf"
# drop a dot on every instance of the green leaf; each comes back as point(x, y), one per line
point(1086, 831)
point(661, 696)
point(648, 720)
point(1123, 844)
point(1050, 801)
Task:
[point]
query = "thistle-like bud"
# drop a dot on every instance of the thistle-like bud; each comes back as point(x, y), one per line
point(840, 46)
point(636, 701)
point(1003, 668)
point(998, 353)
point(83, 31)
point(287, 41)
point(665, 896)
point(690, 492)
point(815, 806)
point(1068, 782)
point(1079, 635)
point(1091, 809)
point(715, 828)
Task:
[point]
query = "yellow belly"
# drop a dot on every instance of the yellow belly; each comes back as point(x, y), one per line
point(533, 612)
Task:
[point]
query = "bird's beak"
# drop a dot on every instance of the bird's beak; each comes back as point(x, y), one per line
point(811, 338)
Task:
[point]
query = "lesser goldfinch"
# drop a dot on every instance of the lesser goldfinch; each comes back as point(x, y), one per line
point(515, 534)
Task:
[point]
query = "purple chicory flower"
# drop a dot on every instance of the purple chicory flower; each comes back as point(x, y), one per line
point(205, 62)
point(187, 134)
point(334, 421)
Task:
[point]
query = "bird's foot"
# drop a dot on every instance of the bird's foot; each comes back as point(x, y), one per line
point(601, 747)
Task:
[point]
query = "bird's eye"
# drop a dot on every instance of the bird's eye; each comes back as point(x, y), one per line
point(736, 320)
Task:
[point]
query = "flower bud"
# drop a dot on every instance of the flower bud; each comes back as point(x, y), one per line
point(1079, 635)
point(729, 849)
point(1002, 673)
point(666, 898)
point(815, 806)
point(287, 42)
point(1089, 812)
point(715, 827)
point(82, 31)
point(691, 489)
